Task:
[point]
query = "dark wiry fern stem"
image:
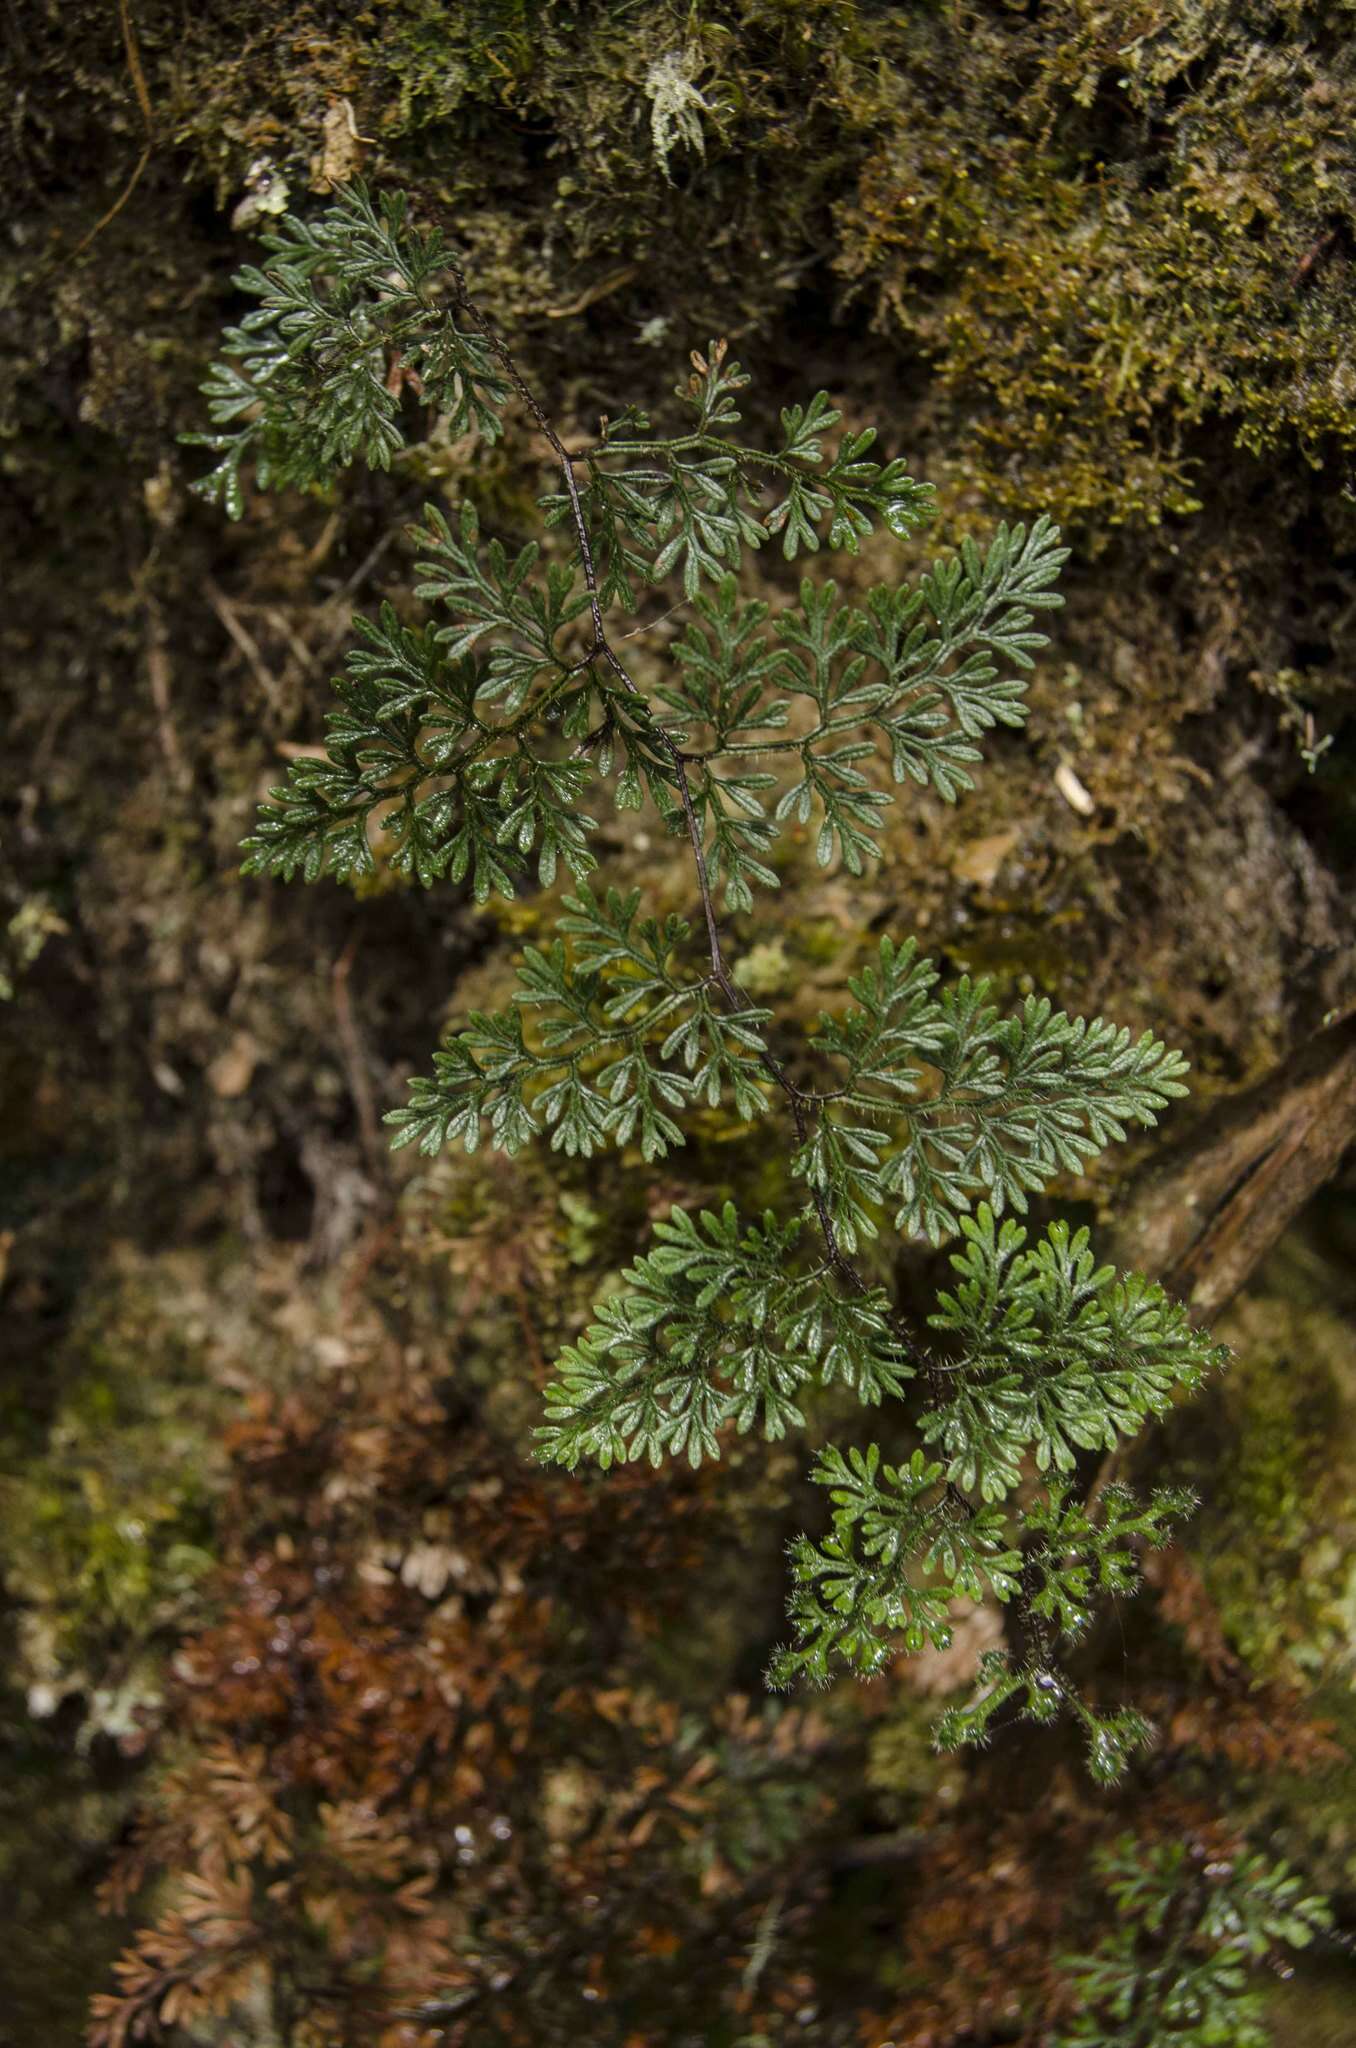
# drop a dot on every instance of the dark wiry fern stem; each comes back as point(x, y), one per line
point(798, 1099)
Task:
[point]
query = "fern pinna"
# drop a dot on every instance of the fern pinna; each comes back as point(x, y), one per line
point(472, 742)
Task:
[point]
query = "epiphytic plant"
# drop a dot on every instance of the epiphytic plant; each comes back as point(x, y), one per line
point(470, 738)
point(1189, 1932)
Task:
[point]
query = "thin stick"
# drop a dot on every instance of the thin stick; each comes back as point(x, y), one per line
point(144, 103)
point(359, 1084)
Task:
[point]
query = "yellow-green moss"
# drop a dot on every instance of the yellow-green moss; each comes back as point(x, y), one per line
point(1107, 230)
point(1275, 1462)
point(109, 1526)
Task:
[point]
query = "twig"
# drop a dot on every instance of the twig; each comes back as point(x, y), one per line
point(281, 624)
point(1312, 258)
point(613, 282)
point(637, 632)
point(346, 591)
point(144, 103)
point(360, 1086)
point(527, 1326)
point(1207, 1215)
point(245, 641)
point(158, 673)
point(1212, 1207)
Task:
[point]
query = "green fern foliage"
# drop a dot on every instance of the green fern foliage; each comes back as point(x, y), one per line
point(475, 735)
point(719, 1325)
point(305, 386)
point(1055, 1355)
point(1189, 1935)
point(624, 1036)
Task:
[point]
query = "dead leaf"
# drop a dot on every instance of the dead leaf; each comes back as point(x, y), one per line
point(981, 860)
point(428, 1566)
point(341, 152)
point(232, 1071)
point(941, 1671)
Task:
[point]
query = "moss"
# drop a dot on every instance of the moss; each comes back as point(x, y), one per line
point(1274, 1458)
point(55, 1824)
point(110, 1524)
point(107, 1496)
point(1313, 1815)
point(1312, 2009)
point(1103, 240)
point(903, 1767)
